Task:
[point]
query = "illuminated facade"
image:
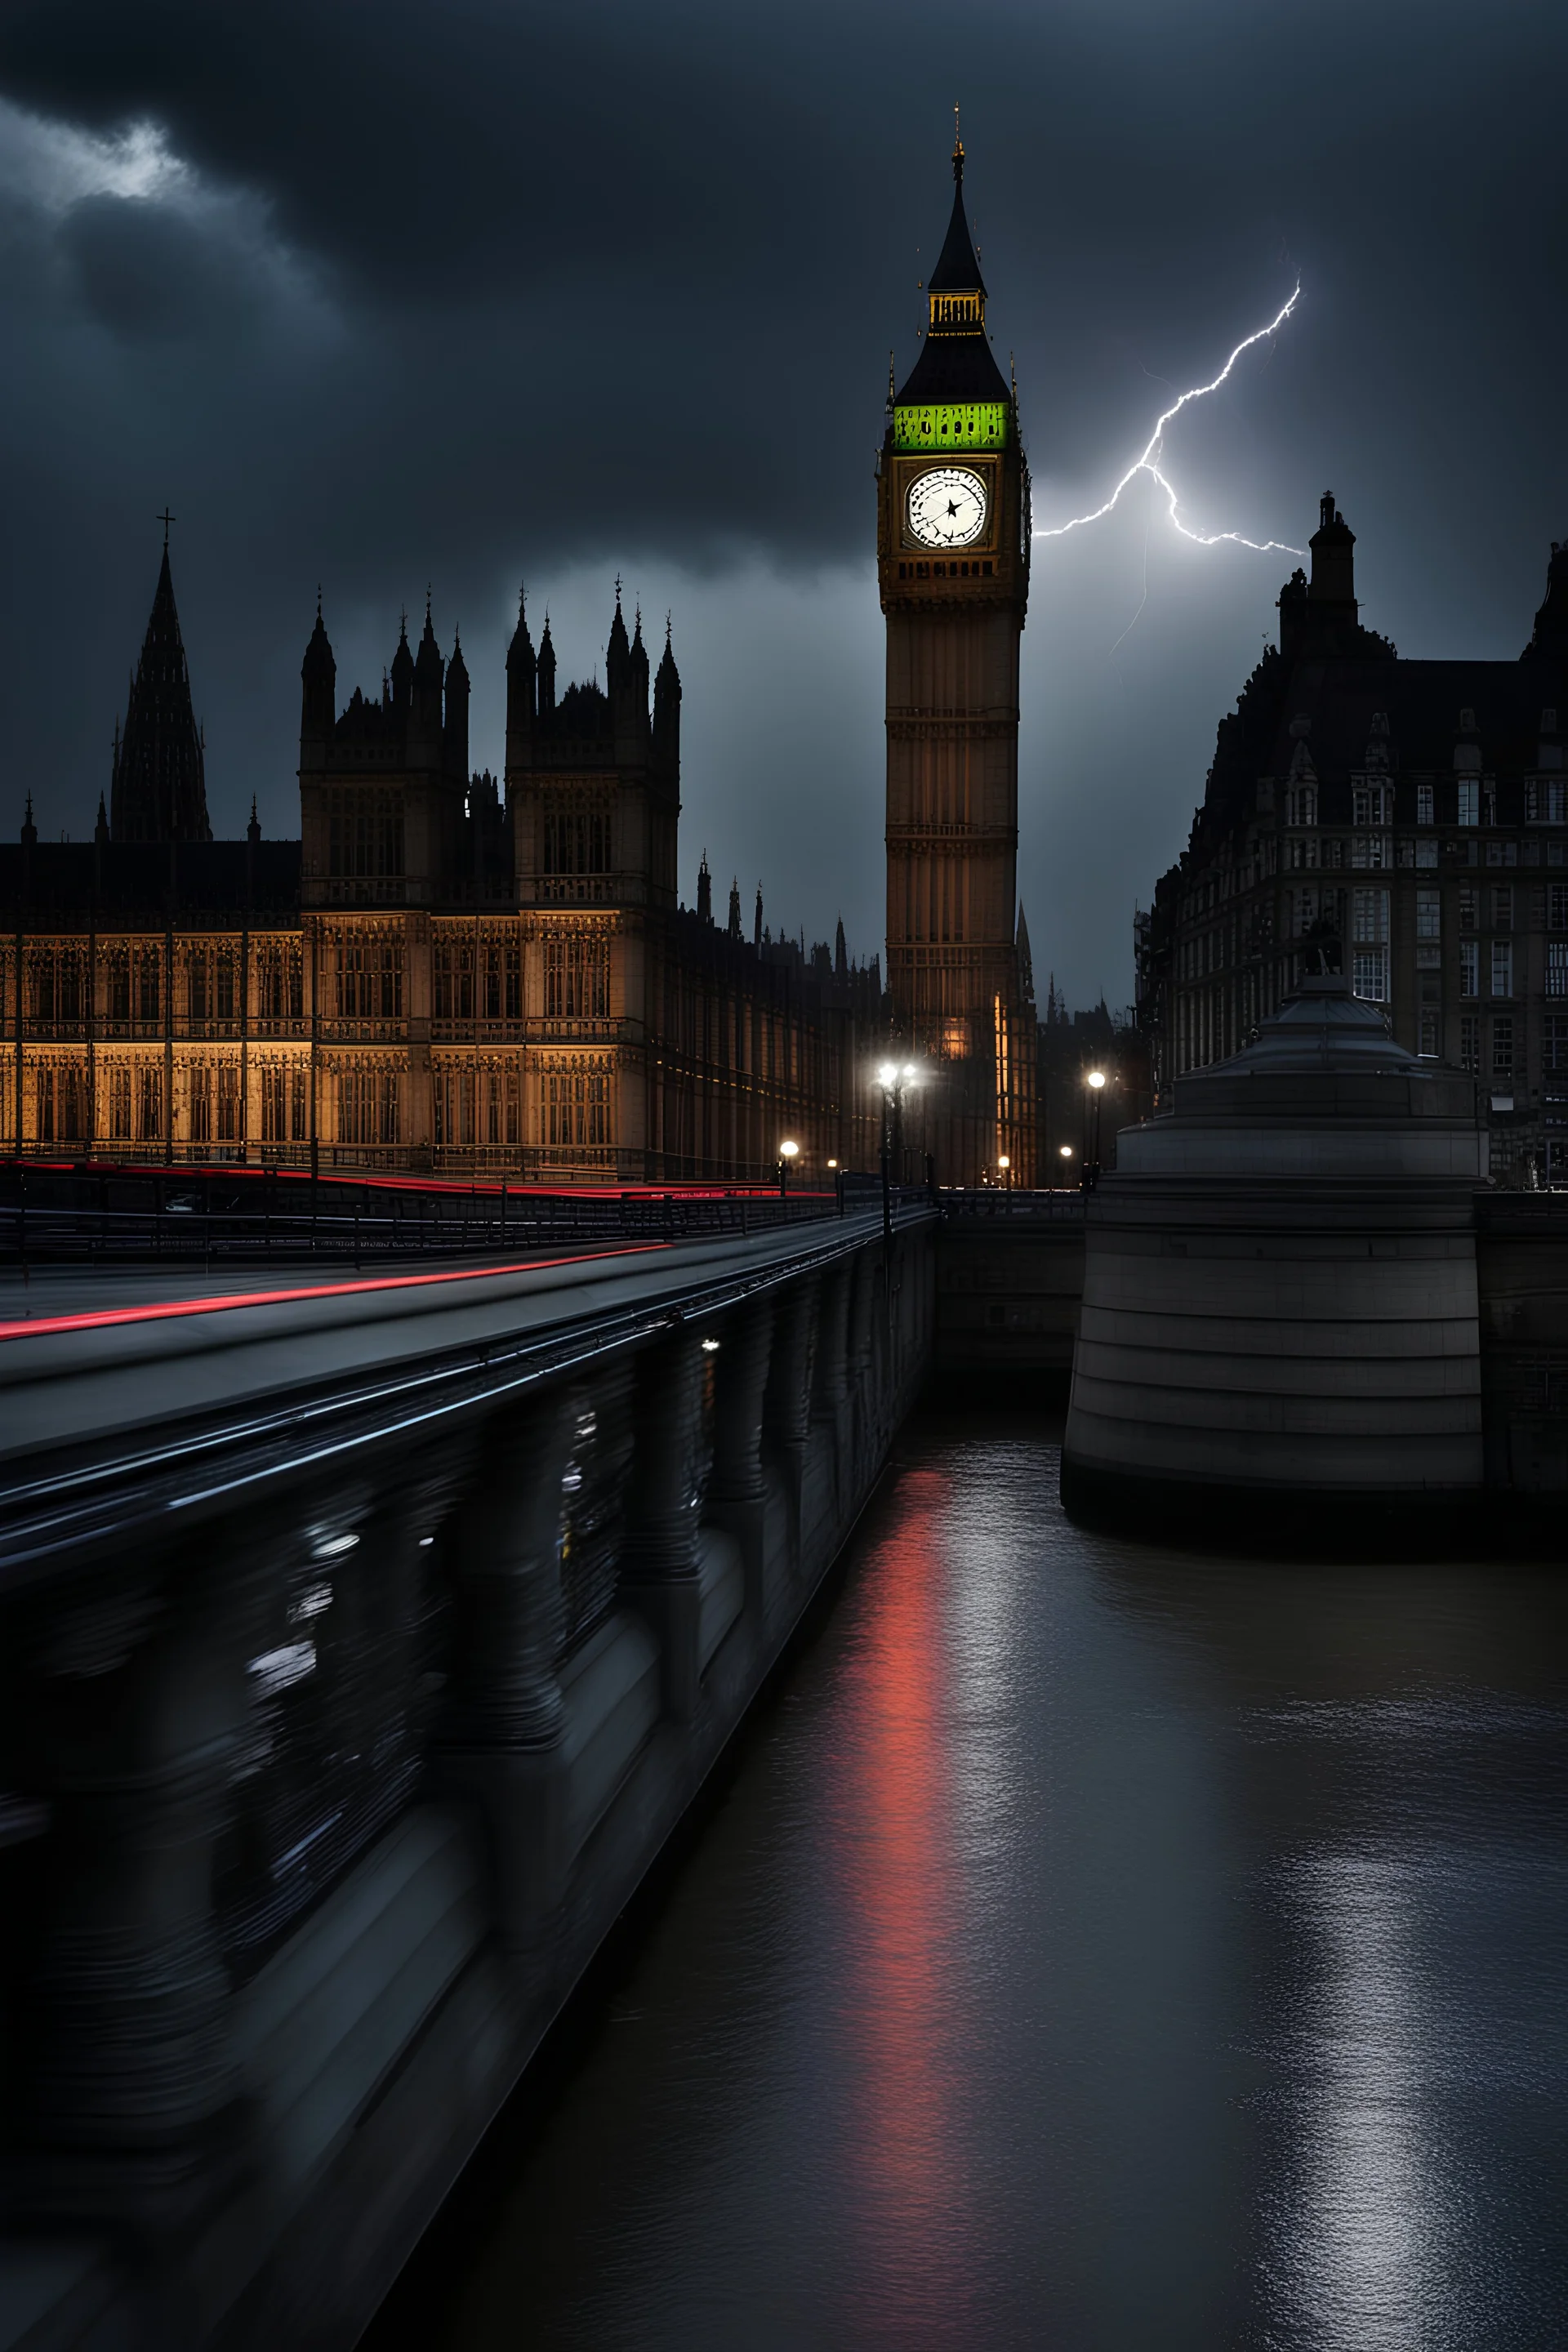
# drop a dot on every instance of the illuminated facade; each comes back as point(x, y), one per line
point(953, 542)
point(444, 974)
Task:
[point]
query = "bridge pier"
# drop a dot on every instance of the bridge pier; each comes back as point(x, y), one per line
point(787, 1407)
point(830, 1403)
point(502, 1740)
point(132, 2082)
point(737, 1489)
point(661, 1576)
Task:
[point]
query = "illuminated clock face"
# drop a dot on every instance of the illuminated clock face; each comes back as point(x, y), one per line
point(947, 507)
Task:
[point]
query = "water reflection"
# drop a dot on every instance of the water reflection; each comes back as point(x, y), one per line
point(1099, 1948)
point(903, 2158)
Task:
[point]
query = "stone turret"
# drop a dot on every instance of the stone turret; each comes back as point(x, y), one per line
point(667, 709)
point(429, 674)
point(319, 683)
point(402, 671)
point(158, 788)
point(521, 672)
point(454, 729)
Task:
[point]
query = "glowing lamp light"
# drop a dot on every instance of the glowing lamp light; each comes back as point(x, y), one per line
point(1003, 1161)
point(1067, 1150)
point(789, 1150)
point(709, 1347)
point(1096, 1078)
point(885, 1073)
point(833, 1163)
point(911, 1071)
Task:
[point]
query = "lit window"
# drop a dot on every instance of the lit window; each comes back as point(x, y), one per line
point(1469, 800)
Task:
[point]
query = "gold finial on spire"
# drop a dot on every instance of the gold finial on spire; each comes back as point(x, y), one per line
point(957, 146)
point(892, 385)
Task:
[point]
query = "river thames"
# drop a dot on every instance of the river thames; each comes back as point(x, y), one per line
point(1091, 1946)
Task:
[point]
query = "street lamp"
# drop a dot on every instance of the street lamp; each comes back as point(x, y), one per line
point(1006, 1165)
point(787, 1151)
point(892, 1078)
point(1095, 1081)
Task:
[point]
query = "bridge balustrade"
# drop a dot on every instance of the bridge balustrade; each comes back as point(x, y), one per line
point(361, 1648)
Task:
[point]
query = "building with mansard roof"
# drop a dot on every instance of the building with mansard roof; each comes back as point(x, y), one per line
point(1405, 821)
point(445, 971)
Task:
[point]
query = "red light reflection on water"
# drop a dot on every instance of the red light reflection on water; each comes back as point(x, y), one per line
point(903, 1895)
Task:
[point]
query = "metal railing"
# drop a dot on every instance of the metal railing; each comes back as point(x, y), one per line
point(1013, 1207)
point(119, 1214)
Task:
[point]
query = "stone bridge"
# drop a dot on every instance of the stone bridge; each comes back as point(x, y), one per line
point(364, 1640)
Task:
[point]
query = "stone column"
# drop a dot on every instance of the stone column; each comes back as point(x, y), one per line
point(502, 1738)
point(737, 1495)
point(787, 1404)
point(860, 1360)
point(830, 1396)
point(140, 1688)
point(658, 1564)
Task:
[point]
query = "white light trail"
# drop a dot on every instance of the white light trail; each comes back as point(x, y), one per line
point(1154, 450)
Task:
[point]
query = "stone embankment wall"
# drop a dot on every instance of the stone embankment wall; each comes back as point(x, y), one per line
point(347, 1705)
point(1009, 1283)
point(1521, 1280)
point(1010, 1291)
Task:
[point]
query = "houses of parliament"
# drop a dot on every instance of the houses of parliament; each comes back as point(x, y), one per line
point(453, 974)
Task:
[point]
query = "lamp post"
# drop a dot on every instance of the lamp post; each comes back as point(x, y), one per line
point(892, 1078)
point(1006, 1165)
point(787, 1151)
point(1095, 1081)
point(1066, 1154)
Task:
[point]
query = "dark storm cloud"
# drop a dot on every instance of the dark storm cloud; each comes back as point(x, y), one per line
point(406, 294)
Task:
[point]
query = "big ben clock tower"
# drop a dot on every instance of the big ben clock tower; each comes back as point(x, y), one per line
point(953, 548)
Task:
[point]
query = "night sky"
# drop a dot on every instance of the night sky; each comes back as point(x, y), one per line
point(382, 296)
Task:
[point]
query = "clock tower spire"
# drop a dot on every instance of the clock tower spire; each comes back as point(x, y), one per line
point(952, 547)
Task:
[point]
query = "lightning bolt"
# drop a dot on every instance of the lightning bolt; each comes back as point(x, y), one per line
point(1148, 462)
